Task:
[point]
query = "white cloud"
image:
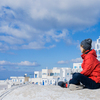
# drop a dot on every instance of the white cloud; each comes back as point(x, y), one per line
point(64, 12)
point(11, 40)
point(6, 63)
point(27, 63)
point(35, 22)
point(77, 60)
point(34, 45)
point(62, 62)
point(22, 66)
point(22, 63)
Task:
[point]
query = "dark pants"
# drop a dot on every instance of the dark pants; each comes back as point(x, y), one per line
point(89, 83)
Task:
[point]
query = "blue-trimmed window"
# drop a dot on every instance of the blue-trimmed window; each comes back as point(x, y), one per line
point(35, 75)
point(75, 67)
point(20, 80)
point(56, 74)
point(99, 52)
point(43, 73)
point(58, 78)
point(45, 81)
point(36, 83)
point(80, 67)
point(51, 74)
point(65, 80)
point(97, 46)
point(50, 81)
point(67, 73)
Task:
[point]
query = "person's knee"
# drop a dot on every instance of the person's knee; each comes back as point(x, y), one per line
point(76, 75)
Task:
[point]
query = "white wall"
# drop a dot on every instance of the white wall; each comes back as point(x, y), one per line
point(18, 80)
point(97, 48)
point(77, 67)
point(48, 81)
point(36, 80)
point(44, 73)
point(65, 74)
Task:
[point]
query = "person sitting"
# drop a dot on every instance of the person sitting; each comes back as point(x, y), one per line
point(89, 77)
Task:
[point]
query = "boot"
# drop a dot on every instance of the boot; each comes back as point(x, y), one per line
point(75, 87)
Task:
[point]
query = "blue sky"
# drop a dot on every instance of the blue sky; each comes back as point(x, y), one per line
point(35, 34)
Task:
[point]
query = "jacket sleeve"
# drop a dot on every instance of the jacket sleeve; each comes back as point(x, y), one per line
point(88, 66)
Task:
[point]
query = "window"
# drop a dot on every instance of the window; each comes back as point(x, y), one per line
point(99, 52)
point(56, 74)
point(79, 66)
point(36, 83)
point(98, 46)
point(20, 80)
point(51, 74)
point(65, 80)
point(58, 78)
point(45, 81)
point(67, 73)
point(50, 81)
point(35, 75)
point(75, 67)
point(43, 73)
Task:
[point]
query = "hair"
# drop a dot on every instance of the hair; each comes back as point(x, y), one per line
point(83, 48)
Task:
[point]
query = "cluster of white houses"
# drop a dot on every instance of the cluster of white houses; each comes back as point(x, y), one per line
point(52, 76)
point(48, 76)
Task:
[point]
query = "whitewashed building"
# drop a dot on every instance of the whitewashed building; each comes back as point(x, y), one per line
point(49, 76)
point(37, 74)
point(37, 78)
point(97, 48)
point(17, 80)
point(76, 67)
point(52, 76)
point(65, 74)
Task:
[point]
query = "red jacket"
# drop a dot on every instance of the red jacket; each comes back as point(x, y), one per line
point(91, 66)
